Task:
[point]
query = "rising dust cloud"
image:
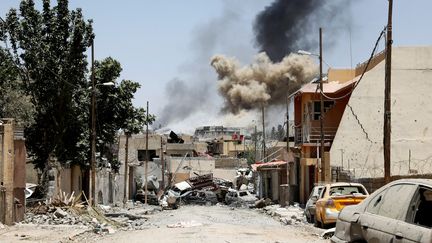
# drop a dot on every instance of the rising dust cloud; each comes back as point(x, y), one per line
point(261, 83)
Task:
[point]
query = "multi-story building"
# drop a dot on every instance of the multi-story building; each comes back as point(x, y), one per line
point(337, 89)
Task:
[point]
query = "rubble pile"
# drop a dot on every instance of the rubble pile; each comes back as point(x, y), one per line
point(292, 215)
point(132, 217)
point(65, 209)
point(54, 216)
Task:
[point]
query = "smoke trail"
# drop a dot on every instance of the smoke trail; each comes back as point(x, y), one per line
point(261, 83)
point(289, 25)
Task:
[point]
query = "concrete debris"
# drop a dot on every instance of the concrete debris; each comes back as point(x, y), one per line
point(263, 202)
point(328, 233)
point(292, 215)
point(101, 219)
point(59, 213)
point(127, 215)
point(187, 224)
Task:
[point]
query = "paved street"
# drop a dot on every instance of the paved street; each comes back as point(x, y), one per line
point(186, 224)
point(212, 224)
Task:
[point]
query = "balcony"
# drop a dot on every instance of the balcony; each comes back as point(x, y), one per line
point(312, 135)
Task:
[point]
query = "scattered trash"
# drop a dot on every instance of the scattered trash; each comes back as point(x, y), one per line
point(182, 224)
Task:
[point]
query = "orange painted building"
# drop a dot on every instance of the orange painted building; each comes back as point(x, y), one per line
point(337, 89)
point(307, 111)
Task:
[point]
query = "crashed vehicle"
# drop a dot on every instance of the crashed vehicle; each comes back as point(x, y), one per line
point(333, 198)
point(310, 204)
point(151, 197)
point(400, 211)
point(199, 197)
point(240, 198)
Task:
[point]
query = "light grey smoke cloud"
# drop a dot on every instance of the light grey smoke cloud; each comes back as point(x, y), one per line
point(263, 82)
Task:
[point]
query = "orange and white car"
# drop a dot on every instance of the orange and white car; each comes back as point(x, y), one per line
point(334, 197)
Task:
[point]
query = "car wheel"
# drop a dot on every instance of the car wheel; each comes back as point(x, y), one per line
point(317, 223)
point(308, 219)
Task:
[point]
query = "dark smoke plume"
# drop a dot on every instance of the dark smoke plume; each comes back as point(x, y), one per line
point(290, 25)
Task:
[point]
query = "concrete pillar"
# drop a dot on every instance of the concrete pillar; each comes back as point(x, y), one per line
point(8, 171)
point(302, 180)
point(275, 185)
point(327, 168)
point(19, 178)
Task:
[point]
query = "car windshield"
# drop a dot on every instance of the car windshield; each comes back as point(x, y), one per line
point(242, 194)
point(346, 190)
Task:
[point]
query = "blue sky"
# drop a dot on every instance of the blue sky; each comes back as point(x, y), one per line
point(156, 41)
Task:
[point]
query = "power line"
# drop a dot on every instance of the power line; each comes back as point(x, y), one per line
point(363, 73)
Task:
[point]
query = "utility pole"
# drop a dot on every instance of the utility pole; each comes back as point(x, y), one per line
point(287, 134)
point(263, 127)
point(256, 144)
point(93, 132)
point(387, 99)
point(162, 164)
point(321, 109)
point(147, 158)
point(126, 165)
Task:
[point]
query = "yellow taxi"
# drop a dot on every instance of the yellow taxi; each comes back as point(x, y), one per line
point(334, 197)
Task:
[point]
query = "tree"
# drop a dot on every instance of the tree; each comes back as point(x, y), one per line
point(273, 133)
point(49, 48)
point(280, 134)
point(115, 110)
point(13, 101)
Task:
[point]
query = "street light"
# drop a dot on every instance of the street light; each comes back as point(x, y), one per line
point(93, 134)
point(306, 53)
point(93, 128)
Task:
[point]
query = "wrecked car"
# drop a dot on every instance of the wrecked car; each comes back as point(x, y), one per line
point(333, 198)
point(397, 212)
point(310, 204)
point(240, 198)
point(199, 197)
point(151, 197)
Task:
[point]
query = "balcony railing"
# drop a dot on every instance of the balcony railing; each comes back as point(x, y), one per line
point(307, 134)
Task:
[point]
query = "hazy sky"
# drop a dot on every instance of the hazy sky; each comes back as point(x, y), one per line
point(158, 41)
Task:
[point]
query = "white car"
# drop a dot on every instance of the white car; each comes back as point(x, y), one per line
point(400, 211)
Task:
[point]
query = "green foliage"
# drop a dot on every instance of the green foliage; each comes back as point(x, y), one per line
point(48, 48)
point(13, 101)
point(46, 51)
point(115, 110)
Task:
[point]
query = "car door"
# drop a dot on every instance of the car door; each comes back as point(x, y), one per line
point(319, 204)
point(418, 223)
point(385, 211)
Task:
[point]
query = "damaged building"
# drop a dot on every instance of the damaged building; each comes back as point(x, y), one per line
point(171, 158)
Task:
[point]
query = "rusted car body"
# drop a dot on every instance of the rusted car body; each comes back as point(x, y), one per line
point(334, 197)
point(199, 197)
point(400, 211)
point(240, 198)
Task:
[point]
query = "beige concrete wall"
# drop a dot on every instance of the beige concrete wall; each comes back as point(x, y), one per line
point(66, 179)
point(360, 135)
point(76, 176)
point(31, 173)
point(201, 166)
